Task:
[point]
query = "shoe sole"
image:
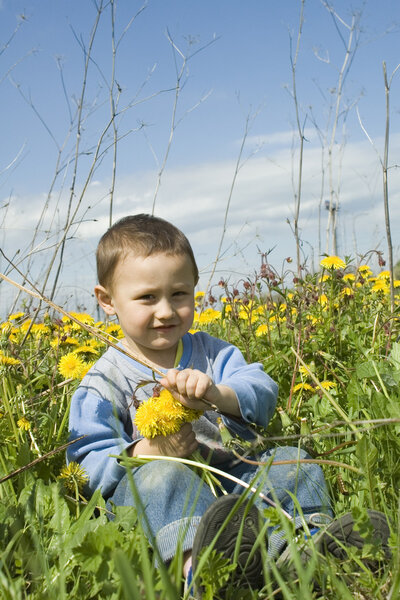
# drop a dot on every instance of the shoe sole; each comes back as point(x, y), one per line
point(249, 571)
point(342, 533)
point(334, 540)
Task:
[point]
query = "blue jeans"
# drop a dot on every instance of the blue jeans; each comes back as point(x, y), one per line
point(171, 498)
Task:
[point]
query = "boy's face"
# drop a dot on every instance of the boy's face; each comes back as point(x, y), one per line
point(153, 298)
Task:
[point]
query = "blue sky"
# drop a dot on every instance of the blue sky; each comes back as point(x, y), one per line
point(243, 71)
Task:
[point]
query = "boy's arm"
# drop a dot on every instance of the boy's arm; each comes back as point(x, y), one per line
point(236, 387)
point(102, 425)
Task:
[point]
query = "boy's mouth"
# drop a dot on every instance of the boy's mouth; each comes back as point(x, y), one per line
point(164, 327)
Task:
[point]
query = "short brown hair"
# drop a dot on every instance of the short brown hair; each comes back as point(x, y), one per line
point(143, 234)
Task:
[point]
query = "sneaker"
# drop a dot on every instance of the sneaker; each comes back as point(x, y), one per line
point(339, 535)
point(239, 534)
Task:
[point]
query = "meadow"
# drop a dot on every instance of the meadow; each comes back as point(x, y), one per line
point(329, 339)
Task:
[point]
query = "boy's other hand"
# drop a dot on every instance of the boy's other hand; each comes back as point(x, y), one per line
point(197, 390)
point(181, 444)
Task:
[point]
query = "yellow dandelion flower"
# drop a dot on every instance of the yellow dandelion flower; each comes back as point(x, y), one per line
point(86, 349)
point(6, 328)
point(396, 283)
point(115, 330)
point(276, 319)
point(380, 285)
point(65, 341)
point(207, 316)
point(82, 317)
point(73, 476)
point(323, 278)
point(70, 365)
point(94, 343)
point(323, 300)
point(261, 310)
point(85, 368)
point(332, 263)
point(303, 386)
point(16, 316)
point(228, 309)
point(384, 275)
point(40, 329)
point(8, 361)
point(199, 295)
point(163, 415)
point(23, 424)
point(328, 385)
point(262, 330)
point(349, 277)
point(246, 315)
point(313, 319)
point(303, 371)
point(346, 291)
point(365, 271)
point(25, 325)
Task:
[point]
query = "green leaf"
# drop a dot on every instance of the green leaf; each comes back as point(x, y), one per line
point(367, 454)
point(366, 370)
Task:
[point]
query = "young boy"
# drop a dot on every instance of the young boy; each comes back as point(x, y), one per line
point(147, 275)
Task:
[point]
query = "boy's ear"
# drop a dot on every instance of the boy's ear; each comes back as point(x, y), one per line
point(104, 299)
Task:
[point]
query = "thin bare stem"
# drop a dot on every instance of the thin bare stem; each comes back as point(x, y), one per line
point(300, 131)
point(350, 50)
point(385, 184)
point(180, 71)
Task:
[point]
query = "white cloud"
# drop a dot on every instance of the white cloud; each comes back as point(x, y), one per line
point(195, 199)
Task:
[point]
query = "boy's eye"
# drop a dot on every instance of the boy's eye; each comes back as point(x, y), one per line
point(180, 293)
point(146, 297)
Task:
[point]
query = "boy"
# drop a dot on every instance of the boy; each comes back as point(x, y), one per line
point(147, 275)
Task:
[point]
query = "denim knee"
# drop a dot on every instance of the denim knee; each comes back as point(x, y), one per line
point(170, 498)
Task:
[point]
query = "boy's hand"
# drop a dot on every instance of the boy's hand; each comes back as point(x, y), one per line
point(191, 387)
point(180, 444)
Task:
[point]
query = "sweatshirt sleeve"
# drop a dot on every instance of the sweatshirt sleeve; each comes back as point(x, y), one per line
point(256, 391)
point(102, 424)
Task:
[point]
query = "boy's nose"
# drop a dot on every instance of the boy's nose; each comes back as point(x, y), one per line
point(165, 309)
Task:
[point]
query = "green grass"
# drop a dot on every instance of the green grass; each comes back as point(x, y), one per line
point(331, 344)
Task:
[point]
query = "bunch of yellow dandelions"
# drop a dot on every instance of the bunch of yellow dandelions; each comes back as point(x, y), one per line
point(163, 415)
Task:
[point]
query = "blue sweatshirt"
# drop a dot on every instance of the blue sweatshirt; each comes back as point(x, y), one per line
point(103, 406)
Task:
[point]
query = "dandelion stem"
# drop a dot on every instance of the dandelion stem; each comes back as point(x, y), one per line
point(142, 458)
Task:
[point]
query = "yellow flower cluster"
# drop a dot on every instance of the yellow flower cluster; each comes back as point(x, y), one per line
point(163, 415)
